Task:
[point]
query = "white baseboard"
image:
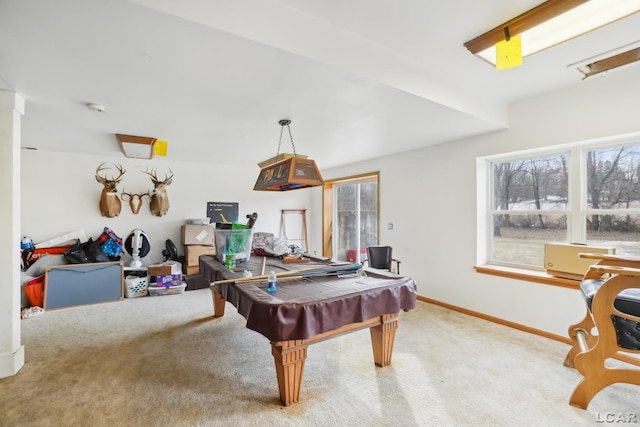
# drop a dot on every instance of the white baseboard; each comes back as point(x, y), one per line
point(11, 363)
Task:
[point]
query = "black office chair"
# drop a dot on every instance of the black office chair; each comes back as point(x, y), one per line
point(381, 257)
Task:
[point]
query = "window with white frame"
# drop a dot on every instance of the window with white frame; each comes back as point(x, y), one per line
point(586, 193)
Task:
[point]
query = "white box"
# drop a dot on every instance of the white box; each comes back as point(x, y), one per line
point(563, 259)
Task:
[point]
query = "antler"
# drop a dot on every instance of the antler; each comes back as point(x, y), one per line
point(152, 174)
point(133, 196)
point(135, 200)
point(104, 180)
point(154, 177)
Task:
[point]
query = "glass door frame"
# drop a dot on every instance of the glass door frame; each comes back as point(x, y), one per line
point(328, 210)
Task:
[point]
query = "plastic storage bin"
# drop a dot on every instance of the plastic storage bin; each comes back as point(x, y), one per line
point(167, 290)
point(235, 241)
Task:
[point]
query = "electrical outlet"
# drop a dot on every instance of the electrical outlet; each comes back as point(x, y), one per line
point(390, 226)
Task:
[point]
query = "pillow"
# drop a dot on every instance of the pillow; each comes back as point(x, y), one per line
point(40, 265)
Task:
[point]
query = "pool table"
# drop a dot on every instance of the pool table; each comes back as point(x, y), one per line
point(308, 310)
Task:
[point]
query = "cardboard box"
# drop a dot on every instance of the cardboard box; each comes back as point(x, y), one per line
point(563, 259)
point(192, 253)
point(166, 268)
point(169, 280)
point(191, 269)
point(195, 234)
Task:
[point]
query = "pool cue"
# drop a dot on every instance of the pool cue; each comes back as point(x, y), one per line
point(253, 279)
point(302, 272)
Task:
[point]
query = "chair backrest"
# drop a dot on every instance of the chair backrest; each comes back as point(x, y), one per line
point(379, 257)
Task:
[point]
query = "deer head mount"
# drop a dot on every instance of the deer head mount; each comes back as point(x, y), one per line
point(159, 203)
point(109, 201)
point(135, 200)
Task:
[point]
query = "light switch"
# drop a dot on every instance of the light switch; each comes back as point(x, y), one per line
point(390, 226)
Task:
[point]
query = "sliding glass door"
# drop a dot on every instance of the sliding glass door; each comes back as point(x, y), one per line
point(355, 218)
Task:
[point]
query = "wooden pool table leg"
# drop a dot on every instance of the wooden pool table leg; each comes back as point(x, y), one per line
point(289, 357)
point(218, 302)
point(382, 338)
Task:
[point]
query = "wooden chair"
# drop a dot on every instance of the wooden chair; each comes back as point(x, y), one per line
point(611, 289)
point(381, 257)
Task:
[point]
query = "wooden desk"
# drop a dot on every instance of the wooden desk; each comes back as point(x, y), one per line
point(305, 311)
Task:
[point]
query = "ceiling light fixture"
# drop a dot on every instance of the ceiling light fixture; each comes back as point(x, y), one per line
point(595, 66)
point(285, 171)
point(551, 23)
point(136, 147)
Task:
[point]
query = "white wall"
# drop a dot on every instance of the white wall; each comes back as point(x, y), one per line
point(60, 194)
point(11, 349)
point(437, 246)
point(430, 197)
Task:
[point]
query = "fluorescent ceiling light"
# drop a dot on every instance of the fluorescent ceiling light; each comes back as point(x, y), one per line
point(551, 23)
point(605, 64)
point(136, 147)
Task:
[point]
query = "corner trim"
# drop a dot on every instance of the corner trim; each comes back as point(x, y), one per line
point(11, 363)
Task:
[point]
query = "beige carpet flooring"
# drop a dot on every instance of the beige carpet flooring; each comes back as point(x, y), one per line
point(164, 361)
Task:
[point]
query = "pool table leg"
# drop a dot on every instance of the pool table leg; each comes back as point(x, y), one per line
point(382, 338)
point(289, 357)
point(218, 302)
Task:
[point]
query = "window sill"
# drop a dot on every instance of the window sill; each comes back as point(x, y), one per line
point(527, 275)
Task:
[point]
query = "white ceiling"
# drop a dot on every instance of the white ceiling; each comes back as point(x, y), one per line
point(359, 79)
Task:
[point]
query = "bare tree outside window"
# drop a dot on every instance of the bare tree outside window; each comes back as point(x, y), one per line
point(357, 219)
point(530, 208)
point(613, 198)
point(531, 203)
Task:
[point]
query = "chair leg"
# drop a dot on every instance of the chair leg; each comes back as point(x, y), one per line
point(597, 379)
point(591, 364)
point(586, 325)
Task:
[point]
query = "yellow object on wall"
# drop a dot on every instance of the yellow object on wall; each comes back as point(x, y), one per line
point(160, 148)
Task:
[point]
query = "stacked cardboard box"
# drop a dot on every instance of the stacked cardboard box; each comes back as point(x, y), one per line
point(167, 276)
point(197, 240)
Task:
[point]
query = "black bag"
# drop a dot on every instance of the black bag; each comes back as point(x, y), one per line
point(85, 253)
point(94, 252)
point(76, 254)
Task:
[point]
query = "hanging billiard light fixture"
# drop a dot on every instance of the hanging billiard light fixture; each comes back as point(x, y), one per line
point(285, 171)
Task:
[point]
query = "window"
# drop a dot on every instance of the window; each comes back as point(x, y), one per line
point(613, 198)
point(350, 211)
point(584, 193)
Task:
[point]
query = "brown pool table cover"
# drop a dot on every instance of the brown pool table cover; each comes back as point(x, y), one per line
point(302, 308)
